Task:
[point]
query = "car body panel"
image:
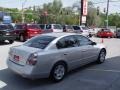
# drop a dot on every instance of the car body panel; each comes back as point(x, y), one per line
point(106, 33)
point(7, 32)
point(74, 57)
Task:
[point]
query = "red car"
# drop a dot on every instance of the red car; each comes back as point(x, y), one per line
point(27, 31)
point(105, 33)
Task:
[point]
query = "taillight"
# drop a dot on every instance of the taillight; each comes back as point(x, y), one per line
point(32, 60)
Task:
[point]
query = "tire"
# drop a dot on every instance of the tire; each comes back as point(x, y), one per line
point(58, 72)
point(22, 38)
point(101, 57)
point(90, 35)
point(11, 41)
point(2, 41)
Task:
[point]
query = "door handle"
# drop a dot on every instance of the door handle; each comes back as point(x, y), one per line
point(84, 50)
point(65, 54)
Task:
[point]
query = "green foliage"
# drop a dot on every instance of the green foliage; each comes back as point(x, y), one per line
point(57, 14)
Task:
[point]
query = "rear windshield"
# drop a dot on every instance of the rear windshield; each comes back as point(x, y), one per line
point(76, 27)
point(3, 27)
point(84, 28)
point(33, 26)
point(57, 27)
point(69, 27)
point(40, 42)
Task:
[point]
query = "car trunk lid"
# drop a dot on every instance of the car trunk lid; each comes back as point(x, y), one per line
point(20, 54)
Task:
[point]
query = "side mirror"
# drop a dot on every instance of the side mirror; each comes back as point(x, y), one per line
point(93, 43)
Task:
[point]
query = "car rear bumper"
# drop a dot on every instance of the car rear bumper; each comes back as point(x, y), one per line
point(25, 71)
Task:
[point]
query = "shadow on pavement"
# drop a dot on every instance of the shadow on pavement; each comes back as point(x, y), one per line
point(4, 43)
point(16, 82)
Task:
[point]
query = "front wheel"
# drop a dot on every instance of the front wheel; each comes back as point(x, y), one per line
point(58, 72)
point(101, 57)
point(11, 41)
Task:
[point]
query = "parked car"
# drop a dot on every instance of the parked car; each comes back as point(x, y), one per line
point(53, 55)
point(82, 30)
point(68, 28)
point(105, 33)
point(54, 27)
point(27, 31)
point(7, 33)
point(118, 33)
point(91, 31)
point(43, 28)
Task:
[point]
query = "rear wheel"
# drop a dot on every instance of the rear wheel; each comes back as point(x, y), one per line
point(58, 72)
point(11, 41)
point(2, 41)
point(102, 56)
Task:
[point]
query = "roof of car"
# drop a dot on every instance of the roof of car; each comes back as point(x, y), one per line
point(60, 34)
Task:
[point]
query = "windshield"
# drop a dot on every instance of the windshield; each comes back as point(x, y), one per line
point(3, 27)
point(19, 27)
point(40, 42)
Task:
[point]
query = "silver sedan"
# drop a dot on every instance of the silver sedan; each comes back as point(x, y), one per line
point(53, 55)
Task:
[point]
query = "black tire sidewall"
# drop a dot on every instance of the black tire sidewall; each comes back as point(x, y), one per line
point(11, 41)
point(99, 61)
point(52, 72)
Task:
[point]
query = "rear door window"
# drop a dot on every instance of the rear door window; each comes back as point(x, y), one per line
point(57, 26)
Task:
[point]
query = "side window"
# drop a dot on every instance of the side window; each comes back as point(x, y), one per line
point(67, 42)
point(42, 26)
point(48, 26)
point(83, 41)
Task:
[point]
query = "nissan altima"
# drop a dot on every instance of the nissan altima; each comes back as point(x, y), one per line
point(53, 55)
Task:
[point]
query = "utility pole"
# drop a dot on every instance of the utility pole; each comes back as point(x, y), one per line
point(107, 19)
point(23, 17)
point(81, 10)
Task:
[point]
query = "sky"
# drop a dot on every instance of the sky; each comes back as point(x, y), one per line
point(114, 6)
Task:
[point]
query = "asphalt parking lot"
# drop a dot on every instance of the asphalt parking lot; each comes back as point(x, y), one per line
point(94, 76)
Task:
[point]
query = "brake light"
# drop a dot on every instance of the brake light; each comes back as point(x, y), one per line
point(32, 60)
